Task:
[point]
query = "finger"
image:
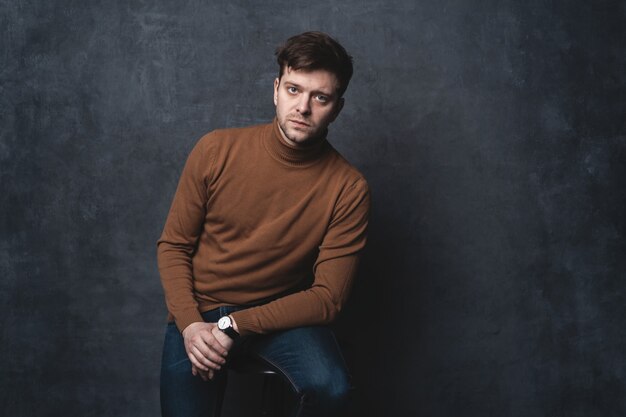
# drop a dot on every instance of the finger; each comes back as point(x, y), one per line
point(211, 374)
point(209, 347)
point(214, 344)
point(204, 375)
point(196, 363)
point(214, 362)
point(208, 352)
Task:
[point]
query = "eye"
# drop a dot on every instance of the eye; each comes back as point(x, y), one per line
point(292, 90)
point(321, 98)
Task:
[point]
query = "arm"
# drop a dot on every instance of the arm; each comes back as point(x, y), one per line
point(179, 239)
point(334, 271)
point(205, 346)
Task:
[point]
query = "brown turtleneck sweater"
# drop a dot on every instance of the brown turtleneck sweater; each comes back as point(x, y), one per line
point(254, 218)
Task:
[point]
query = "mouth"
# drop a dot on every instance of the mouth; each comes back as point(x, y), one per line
point(299, 123)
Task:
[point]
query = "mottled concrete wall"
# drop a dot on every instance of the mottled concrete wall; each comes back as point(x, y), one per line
point(493, 138)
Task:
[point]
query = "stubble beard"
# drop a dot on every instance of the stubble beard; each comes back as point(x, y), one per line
point(298, 140)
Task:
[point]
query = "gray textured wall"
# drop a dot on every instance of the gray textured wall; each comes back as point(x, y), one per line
point(493, 137)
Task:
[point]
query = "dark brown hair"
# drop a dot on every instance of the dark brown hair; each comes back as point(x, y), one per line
point(316, 50)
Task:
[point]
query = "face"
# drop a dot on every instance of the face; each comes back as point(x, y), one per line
point(306, 103)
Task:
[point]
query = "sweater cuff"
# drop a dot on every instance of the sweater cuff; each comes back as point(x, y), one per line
point(245, 322)
point(186, 317)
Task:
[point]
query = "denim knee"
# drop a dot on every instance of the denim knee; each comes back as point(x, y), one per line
point(326, 391)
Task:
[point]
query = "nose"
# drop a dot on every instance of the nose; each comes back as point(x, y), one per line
point(304, 107)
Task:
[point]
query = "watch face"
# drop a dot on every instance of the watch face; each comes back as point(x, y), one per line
point(223, 323)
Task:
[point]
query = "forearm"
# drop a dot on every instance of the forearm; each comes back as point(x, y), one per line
point(317, 305)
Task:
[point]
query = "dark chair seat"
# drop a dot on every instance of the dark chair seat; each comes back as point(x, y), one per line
point(272, 397)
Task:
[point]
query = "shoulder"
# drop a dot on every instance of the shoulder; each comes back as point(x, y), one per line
point(348, 174)
point(350, 188)
point(218, 145)
point(226, 136)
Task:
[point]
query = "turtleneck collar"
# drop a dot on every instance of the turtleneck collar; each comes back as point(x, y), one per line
point(298, 156)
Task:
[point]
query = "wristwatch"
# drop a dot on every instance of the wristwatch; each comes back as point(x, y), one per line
point(225, 324)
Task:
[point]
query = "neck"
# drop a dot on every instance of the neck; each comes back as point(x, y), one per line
point(292, 153)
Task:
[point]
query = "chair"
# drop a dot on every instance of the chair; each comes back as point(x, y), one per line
point(272, 397)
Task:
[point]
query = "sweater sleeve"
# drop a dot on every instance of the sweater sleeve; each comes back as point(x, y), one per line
point(178, 241)
point(334, 271)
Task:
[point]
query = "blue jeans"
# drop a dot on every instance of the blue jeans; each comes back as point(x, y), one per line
point(307, 357)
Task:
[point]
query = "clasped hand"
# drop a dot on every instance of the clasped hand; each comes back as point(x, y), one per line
point(207, 348)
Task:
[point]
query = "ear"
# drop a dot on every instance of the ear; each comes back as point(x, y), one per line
point(338, 108)
point(276, 84)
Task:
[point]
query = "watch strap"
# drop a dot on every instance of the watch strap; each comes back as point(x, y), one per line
point(230, 332)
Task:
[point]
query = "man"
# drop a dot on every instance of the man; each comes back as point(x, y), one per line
point(262, 243)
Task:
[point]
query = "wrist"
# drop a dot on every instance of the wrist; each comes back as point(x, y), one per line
point(227, 325)
point(232, 320)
